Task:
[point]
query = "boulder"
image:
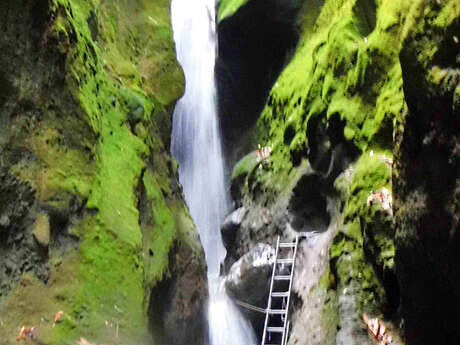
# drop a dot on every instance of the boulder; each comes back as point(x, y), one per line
point(249, 277)
point(231, 226)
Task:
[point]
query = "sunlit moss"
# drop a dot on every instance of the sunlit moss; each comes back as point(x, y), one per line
point(122, 73)
point(228, 7)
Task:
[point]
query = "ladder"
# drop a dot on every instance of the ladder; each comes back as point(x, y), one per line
point(276, 327)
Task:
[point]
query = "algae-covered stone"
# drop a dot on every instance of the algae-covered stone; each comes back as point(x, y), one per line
point(82, 122)
point(42, 232)
point(241, 171)
point(335, 104)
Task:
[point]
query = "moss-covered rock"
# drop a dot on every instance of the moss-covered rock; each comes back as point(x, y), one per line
point(241, 171)
point(41, 230)
point(254, 44)
point(337, 103)
point(89, 84)
point(426, 175)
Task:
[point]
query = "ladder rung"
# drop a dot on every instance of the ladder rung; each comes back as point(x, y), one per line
point(277, 311)
point(282, 277)
point(284, 261)
point(280, 294)
point(275, 329)
point(287, 245)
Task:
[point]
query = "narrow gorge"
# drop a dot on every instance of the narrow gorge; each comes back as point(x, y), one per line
point(152, 152)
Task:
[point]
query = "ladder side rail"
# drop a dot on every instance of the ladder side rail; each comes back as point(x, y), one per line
point(284, 338)
point(267, 314)
point(287, 333)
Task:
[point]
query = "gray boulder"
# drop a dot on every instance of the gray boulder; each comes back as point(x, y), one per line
point(231, 225)
point(249, 278)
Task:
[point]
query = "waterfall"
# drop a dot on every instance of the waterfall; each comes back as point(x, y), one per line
point(196, 144)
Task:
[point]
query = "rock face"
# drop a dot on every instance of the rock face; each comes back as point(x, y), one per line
point(248, 281)
point(427, 178)
point(230, 227)
point(365, 111)
point(92, 219)
point(249, 278)
point(254, 43)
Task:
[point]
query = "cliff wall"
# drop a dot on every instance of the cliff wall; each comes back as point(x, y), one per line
point(363, 112)
point(92, 220)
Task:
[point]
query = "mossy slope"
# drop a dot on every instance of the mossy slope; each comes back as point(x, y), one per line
point(96, 140)
point(344, 86)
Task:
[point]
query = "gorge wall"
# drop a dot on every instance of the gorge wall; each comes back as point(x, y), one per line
point(355, 105)
point(364, 112)
point(92, 219)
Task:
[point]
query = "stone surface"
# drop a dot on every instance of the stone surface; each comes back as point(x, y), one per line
point(365, 75)
point(231, 225)
point(249, 278)
point(87, 90)
point(426, 177)
point(42, 231)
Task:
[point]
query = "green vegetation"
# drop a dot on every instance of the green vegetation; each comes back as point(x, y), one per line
point(229, 7)
point(345, 78)
point(364, 222)
point(346, 66)
point(122, 74)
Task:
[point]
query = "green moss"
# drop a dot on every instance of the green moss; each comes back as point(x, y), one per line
point(371, 174)
point(42, 230)
point(121, 69)
point(245, 165)
point(228, 7)
point(58, 167)
point(351, 267)
point(344, 66)
point(368, 228)
point(161, 234)
point(330, 318)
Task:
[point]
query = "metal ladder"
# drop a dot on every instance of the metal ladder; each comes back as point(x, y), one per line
point(276, 327)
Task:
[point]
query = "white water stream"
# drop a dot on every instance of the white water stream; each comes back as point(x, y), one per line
point(196, 144)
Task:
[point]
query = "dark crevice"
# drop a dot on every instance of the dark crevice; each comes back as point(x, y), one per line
point(289, 134)
point(366, 12)
point(308, 205)
point(254, 44)
point(329, 153)
point(157, 310)
point(448, 54)
point(93, 26)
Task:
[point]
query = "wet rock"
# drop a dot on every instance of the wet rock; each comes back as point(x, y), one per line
point(249, 277)
point(17, 199)
point(177, 304)
point(231, 226)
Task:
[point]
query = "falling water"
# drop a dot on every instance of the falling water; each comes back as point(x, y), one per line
point(196, 144)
